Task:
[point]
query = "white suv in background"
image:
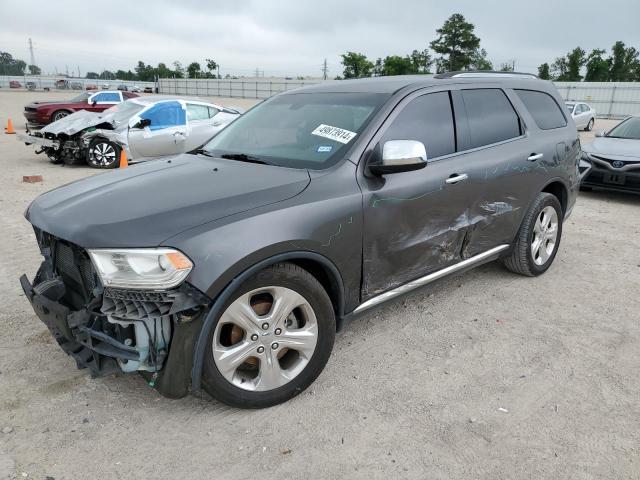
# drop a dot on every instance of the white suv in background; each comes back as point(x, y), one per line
point(583, 115)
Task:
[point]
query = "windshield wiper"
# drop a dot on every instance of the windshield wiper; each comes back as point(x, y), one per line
point(200, 151)
point(243, 157)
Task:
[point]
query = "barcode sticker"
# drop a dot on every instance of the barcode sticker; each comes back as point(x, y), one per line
point(334, 133)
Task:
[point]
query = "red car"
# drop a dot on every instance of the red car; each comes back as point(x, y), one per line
point(14, 84)
point(42, 113)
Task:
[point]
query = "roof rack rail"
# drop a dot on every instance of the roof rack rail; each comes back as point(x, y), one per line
point(484, 73)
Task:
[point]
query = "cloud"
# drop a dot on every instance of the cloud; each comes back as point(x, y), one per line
point(292, 37)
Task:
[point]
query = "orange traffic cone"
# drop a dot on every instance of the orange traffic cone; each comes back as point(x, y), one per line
point(9, 128)
point(123, 159)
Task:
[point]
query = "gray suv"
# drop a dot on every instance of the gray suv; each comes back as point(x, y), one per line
point(230, 268)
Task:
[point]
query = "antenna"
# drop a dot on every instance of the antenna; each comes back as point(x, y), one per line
point(325, 69)
point(33, 58)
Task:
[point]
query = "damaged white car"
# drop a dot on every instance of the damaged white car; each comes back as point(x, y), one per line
point(143, 127)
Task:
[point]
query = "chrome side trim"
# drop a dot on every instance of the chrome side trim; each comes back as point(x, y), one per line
point(407, 287)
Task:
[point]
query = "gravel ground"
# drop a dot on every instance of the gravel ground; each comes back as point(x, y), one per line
point(482, 375)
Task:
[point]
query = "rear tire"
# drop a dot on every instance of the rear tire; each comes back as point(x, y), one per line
point(539, 237)
point(589, 126)
point(272, 340)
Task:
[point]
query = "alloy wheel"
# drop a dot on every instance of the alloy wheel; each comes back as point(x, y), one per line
point(60, 115)
point(265, 338)
point(102, 154)
point(545, 235)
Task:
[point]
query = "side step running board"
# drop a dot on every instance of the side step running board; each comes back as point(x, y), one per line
point(407, 287)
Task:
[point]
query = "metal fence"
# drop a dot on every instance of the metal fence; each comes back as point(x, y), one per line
point(609, 99)
point(41, 82)
point(234, 88)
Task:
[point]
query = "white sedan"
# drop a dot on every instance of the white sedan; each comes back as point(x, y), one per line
point(583, 114)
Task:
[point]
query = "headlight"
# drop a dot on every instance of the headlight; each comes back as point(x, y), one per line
point(143, 268)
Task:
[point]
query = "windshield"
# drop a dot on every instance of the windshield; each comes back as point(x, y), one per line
point(303, 130)
point(124, 111)
point(82, 97)
point(570, 107)
point(629, 128)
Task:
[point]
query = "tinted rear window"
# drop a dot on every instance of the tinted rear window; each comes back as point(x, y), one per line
point(428, 119)
point(544, 109)
point(491, 116)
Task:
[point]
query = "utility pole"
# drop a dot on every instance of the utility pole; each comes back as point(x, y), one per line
point(325, 69)
point(33, 58)
point(78, 71)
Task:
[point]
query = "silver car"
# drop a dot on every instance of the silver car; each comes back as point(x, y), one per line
point(583, 115)
point(144, 127)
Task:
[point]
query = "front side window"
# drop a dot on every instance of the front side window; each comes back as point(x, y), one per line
point(428, 119)
point(491, 116)
point(165, 115)
point(213, 112)
point(543, 108)
point(298, 130)
point(81, 98)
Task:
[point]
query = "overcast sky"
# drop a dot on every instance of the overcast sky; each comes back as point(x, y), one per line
point(292, 37)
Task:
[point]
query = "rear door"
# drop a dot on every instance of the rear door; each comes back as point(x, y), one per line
point(528, 164)
point(416, 222)
point(200, 125)
point(166, 134)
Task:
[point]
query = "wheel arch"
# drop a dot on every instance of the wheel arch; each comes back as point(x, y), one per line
point(558, 188)
point(57, 110)
point(323, 269)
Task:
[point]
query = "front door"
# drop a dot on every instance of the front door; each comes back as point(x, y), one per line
point(165, 135)
point(416, 222)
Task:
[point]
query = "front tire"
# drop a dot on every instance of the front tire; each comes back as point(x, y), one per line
point(59, 114)
point(272, 340)
point(539, 237)
point(103, 154)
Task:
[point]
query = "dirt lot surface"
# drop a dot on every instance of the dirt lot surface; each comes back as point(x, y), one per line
point(483, 375)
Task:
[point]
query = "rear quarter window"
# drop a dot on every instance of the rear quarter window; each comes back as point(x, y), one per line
point(544, 109)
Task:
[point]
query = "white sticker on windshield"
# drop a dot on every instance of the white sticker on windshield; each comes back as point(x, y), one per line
point(334, 133)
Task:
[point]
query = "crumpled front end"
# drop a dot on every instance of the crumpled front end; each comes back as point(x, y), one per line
point(111, 330)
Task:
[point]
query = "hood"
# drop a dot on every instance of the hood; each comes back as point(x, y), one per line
point(145, 204)
point(614, 148)
point(76, 122)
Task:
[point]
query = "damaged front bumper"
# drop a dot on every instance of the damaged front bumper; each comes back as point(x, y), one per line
point(111, 330)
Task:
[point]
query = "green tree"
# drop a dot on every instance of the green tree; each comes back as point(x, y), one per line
point(506, 67)
point(456, 43)
point(543, 71)
point(194, 70)
point(34, 70)
point(212, 66)
point(397, 65)
point(624, 65)
point(559, 69)
point(479, 60)
point(421, 61)
point(10, 65)
point(356, 65)
point(92, 75)
point(575, 61)
point(107, 75)
point(597, 67)
point(378, 69)
point(178, 71)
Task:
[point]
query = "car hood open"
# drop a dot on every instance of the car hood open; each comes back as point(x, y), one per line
point(145, 204)
point(614, 148)
point(76, 122)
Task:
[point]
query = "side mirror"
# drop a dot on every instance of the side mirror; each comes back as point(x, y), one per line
point(145, 122)
point(601, 133)
point(94, 103)
point(400, 156)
